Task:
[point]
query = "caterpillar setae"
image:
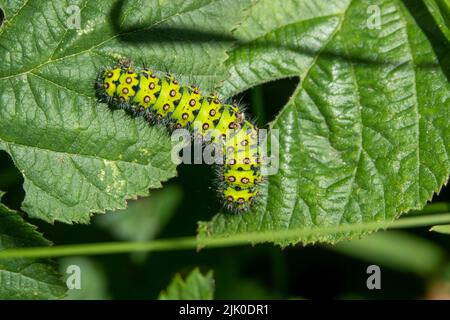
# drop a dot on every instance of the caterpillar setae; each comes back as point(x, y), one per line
point(164, 100)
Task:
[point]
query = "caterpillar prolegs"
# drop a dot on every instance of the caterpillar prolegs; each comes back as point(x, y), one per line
point(164, 100)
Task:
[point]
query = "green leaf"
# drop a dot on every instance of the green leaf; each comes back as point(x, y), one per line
point(25, 278)
point(93, 281)
point(144, 218)
point(445, 229)
point(196, 286)
point(364, 137)
point(397, 250)
point(77, 157)
point(440, 10)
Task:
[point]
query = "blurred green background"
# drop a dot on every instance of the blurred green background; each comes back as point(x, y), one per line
point(415, 263)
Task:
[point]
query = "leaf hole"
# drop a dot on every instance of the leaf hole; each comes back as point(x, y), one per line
point(264, 102)
point(11, 182)
point(2, 16)
point(199, 199)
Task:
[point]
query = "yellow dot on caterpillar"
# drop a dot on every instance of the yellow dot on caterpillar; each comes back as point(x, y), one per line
point(146, 99)
point(230, 198)
point(173, 93)
point(244, 143)
point(247, 161)
point(250, 199)
point(184, 116)
point(216, 101)
point(129, 80)
point(205, 126)
point(245, 180)
point(192, 102)
point(130, 71)
point(125, 90)
point(212, 112)
point(106, 85)
point(231, 161)
point(175, 81)
point(231, 125)
point(241, 201)
point(196, 91)
point(166, 107)
point(151, 86)
point(231, 179)
point(230, 149)
point(178, 126)
point(153, 76)
point(110, 74)
point(253, 136)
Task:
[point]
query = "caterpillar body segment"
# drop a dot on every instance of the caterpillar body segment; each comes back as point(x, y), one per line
point(165, 100)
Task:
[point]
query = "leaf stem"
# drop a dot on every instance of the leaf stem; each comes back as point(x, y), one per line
point(209, 242)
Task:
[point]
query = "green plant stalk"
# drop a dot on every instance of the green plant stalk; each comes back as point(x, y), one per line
point(435, 207)
point(190, 243)
point(444, 5)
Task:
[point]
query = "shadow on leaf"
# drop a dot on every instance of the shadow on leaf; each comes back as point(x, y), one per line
point(163, 34)
point(156, 34)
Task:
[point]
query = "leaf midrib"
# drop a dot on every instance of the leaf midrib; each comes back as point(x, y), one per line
point(302, 76)
point(297, 91)
point(300, 88)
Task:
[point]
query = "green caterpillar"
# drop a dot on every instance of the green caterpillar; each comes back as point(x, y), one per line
point(165, 100)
